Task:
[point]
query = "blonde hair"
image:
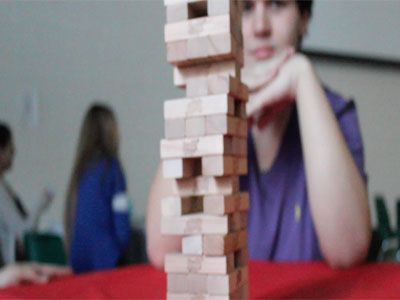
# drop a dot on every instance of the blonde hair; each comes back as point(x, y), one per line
point(98, 138)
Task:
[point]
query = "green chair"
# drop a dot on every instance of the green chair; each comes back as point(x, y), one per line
point(384, 229)
point(45, 248)
point(386, 235)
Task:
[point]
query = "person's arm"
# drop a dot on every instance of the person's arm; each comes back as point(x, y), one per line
point(158, 245)
point(27, 220)
point(337, 192)
point(119, 205)
point(120, 208)
point(336, 189)
point(30, 272)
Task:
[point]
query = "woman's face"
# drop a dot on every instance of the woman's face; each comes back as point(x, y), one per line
point(7, 156)
point(269, 27)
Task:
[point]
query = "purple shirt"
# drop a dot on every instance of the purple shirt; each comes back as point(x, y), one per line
point(280, 225)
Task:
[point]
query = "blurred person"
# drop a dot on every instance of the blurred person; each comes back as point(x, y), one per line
point(15, 219)
point(97, 207)
point(306, 176)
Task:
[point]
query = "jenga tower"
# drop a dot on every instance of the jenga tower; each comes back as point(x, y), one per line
point(205, 151)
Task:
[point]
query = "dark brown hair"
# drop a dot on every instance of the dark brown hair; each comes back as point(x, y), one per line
point(98, 138)
point(5, 135)
point(305, 6)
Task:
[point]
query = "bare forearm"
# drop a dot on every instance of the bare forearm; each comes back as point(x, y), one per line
point(158, 245)
point(337, 192)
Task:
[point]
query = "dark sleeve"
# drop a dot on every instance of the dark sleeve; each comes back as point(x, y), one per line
point(348, 121)
point(119, 204)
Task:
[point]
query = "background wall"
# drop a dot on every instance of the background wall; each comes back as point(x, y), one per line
point(70, 52)
point(366, 28)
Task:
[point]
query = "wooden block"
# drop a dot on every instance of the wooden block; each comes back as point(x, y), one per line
point(238, 220)
point(187, 283)
point(195, 126)
point(241, 257)
point(220, 44)
point(224, 46)
point(174, 128)
point(225, 204)
point(197, 224)
point(206, 185)
point(200, 146)
point(177, 12)
point(229, 67)
point(223, 244)
point(236, 22)
point(181, 263)
point(200, 106)
point(198, 27)
point(180, 168)
point(240, 110)
point(225, 284)
point(203, 50)
point(223, 165)
point(177, 52)
point(225, 124)
point(207, 284)
point(177, 206)
point(240, 293)
point(196, 87)
point(217, 245)
point(226, 84)
point(220, 7)
point(216, 84)
point(197, 47)
point(202, 25)
point(192, 244)
point(239, 146)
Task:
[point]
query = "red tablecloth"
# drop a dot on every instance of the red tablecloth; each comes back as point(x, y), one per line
point(267, 280)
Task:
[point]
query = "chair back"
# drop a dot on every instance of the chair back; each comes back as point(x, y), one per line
point(45, 248)
point(384, 229)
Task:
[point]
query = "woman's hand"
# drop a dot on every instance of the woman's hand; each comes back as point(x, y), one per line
point(30, 272)
point(272, 85)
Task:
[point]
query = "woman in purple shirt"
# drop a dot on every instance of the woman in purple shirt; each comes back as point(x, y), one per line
point(306, 179)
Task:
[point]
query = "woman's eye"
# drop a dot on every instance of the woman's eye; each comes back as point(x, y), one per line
point(277, 3)
point(247, 6)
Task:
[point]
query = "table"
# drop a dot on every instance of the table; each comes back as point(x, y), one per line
point(267, 280)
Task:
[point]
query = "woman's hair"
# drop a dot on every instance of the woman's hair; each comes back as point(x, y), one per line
point(305, 6)
point(5, 135)
point(98, 139)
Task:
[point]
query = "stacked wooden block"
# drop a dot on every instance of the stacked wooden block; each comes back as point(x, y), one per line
point(205, 151)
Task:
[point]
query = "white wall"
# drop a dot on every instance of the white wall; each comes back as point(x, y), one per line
point(364, 28)
point(74, 51)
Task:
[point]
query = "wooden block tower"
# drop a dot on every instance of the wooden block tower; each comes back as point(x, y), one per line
point(205, 151)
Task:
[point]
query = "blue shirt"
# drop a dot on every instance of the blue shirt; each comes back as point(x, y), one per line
point(101, 229)
point(280, 225)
